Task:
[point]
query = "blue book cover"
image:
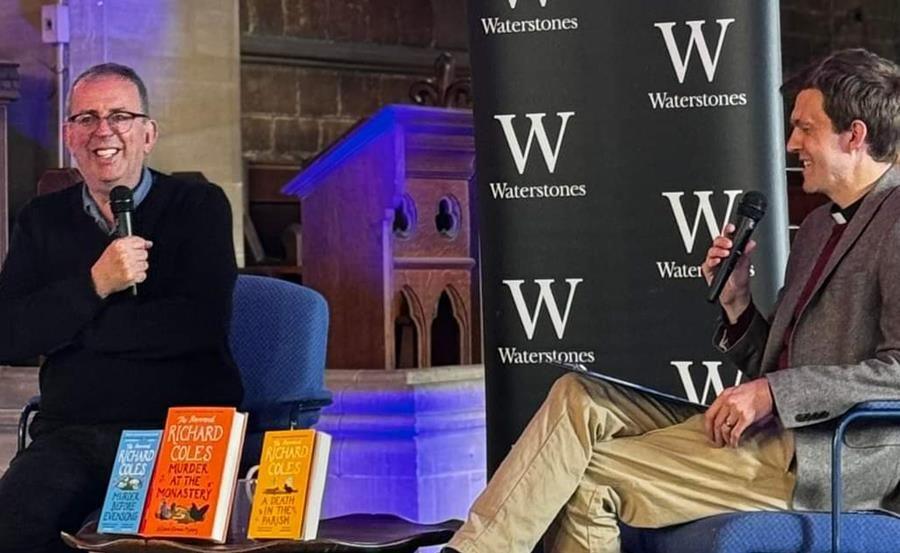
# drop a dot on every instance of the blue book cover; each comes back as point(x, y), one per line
point(129, 482)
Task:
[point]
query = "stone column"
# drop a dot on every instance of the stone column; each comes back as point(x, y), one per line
point(9, 92)
point(188, 55)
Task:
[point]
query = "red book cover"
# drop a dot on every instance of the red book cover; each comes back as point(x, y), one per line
point(196, 471)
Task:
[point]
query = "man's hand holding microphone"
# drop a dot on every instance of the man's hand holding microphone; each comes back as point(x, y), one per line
point(735, 295)
point(727, 272)
point(121, 265)
point(124, 263)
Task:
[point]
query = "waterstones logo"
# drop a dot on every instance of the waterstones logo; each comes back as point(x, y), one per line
point(697, 42)
point(689, 228)
point(530, 315)
point(704, 212)
point(537, 130)
point(521, 153)
point(505, 191)
point(546, 298)
point(666, 100)
point(504, 26)
point(515, 356)
point(711, 376)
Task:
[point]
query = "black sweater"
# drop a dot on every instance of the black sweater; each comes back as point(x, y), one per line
point(123, 359)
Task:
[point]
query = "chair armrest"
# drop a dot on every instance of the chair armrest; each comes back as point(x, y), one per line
point(33, 405)
point(298, 407)
point(888, 409)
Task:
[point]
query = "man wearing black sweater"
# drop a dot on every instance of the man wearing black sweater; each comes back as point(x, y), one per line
point(111, 360)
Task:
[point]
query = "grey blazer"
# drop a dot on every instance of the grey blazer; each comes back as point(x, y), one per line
point(845, 348)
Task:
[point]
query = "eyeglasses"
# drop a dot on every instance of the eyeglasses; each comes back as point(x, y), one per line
point(119, 121)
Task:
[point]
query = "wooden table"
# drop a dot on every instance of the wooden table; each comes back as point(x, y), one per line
point(346, 534)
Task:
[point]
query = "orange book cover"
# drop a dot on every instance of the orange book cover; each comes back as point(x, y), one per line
point(290, 485)
point(192, 489)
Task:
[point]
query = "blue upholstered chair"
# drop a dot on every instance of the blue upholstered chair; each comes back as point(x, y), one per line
point(278, 336)
point(784, 532)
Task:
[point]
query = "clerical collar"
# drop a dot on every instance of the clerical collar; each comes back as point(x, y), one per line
point(843, 216)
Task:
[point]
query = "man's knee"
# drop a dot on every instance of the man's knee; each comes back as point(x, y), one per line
point(23, 530)
point(38, 499)
point(569, 389)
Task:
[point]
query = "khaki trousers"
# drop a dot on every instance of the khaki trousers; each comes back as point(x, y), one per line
point(595, 453)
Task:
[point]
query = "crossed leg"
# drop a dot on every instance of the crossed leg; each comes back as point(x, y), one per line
point(595, 451)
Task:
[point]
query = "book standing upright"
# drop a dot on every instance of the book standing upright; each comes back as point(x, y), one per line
point(129, 482)
point(193, 486)
point(291, 485)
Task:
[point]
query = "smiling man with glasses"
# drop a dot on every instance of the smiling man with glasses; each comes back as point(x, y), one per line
point(112, 360)
point(108, 131)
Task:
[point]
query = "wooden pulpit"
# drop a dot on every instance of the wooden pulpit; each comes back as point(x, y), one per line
point(389, 239)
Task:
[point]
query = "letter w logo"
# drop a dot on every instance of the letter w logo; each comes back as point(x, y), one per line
point(545, 297)
point(704, 210)
point(519, 154)
point(512, 3)
point(680, 64)
point(713, 380)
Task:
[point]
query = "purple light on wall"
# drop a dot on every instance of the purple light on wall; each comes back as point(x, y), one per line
point(417, 452)
point(20, 42)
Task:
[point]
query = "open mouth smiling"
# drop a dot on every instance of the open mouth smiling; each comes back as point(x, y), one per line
point(105, 153)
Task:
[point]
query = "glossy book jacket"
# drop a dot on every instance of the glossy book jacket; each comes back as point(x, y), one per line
point(129, 482)
point(193, 486)
point(290, 485)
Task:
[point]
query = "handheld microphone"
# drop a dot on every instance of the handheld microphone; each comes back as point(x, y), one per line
point(121, 200)
point(750, 210)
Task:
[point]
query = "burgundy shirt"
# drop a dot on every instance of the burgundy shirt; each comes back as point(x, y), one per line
point(842, 218)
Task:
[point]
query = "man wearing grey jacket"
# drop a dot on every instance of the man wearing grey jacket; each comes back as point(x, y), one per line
point(595, 454)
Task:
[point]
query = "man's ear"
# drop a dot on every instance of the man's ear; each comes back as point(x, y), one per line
point(150, 135)
point(67, 136)
point(857, 133)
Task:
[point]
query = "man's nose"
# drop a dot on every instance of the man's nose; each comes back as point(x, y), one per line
point(793, 143)
point(103, 128)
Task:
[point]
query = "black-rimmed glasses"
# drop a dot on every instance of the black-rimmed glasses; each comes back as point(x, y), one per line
point(119, 121)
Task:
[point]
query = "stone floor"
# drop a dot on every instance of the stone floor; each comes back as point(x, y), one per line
point(17, 384)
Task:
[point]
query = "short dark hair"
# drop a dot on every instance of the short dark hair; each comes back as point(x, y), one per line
point(857, 84)
point(113, 70)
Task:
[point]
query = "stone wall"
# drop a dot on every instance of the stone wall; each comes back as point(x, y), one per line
point(811, 28)
point(294, 104)
point(422, 23)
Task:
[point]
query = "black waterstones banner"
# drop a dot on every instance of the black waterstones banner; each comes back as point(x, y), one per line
point(613, 139)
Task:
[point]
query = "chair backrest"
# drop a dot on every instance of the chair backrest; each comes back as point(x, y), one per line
point(58, 179)
point(278, 336)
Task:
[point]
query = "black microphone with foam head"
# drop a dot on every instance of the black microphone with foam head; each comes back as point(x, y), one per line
point(750, 210)
point(121, 201)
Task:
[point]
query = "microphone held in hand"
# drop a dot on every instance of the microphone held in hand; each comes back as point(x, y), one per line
point(121, 201)
point(750, 210)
